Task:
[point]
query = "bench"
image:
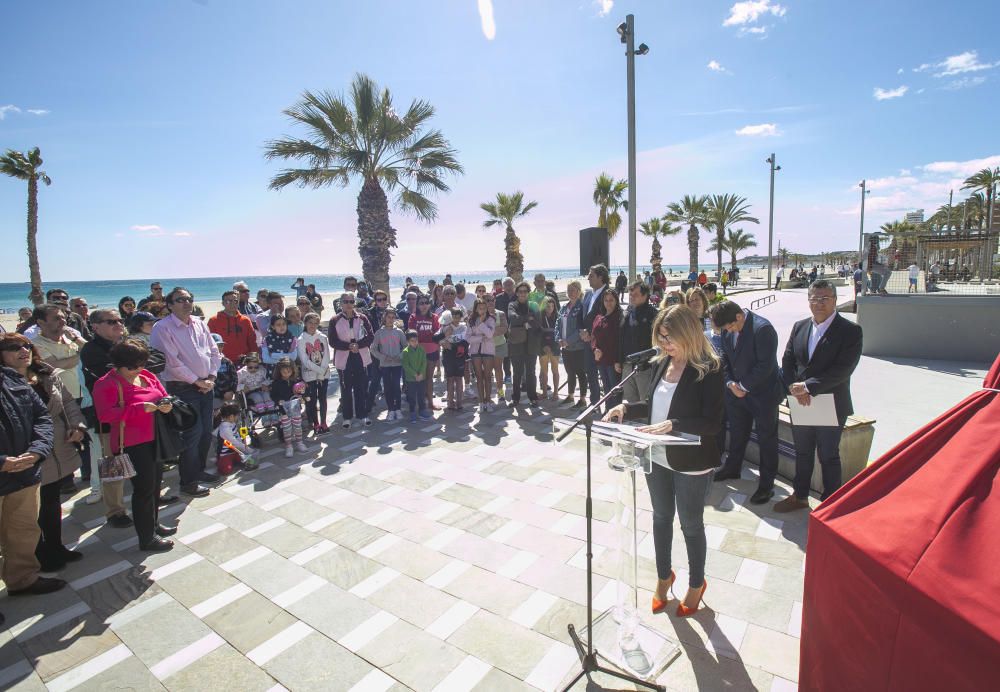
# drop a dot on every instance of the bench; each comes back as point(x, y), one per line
point(855, 446)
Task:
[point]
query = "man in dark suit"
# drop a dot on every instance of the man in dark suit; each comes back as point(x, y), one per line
point(821, 354)
point(593, 305)
point(753, 384)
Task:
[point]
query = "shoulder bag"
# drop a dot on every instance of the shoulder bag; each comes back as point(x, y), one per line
point(116, 467)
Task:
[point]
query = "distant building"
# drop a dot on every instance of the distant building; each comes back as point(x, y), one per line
point(915, 217)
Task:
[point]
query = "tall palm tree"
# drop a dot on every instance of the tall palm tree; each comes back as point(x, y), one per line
point(783, 254)
point(609, 196)
point(27, 166)
point(654, 228)
point(725, 211)
point(362, 137)
point(504, 211)
point(691, 212)
point(986, 181)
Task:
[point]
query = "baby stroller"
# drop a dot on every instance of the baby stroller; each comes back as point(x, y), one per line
point(257, 418)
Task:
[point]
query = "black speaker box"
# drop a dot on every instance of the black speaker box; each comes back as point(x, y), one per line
point(593, 248)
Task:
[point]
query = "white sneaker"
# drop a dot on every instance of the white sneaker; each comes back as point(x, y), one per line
point(94, 497)
point(346, 425)
point(368, 422)
point(288, 452)
point(301, 446)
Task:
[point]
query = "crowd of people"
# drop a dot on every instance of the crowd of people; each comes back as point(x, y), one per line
point(84, 389)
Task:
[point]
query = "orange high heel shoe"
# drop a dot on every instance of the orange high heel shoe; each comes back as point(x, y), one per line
point(683, 611)
point(658, 605)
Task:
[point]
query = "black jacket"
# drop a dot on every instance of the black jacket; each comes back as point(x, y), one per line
point(637, 330)
point(753, 360)
point(518, 316)
point(597, 308)
point(25, 426)
point(829, 371)
point(96, 359)
point(695, 409)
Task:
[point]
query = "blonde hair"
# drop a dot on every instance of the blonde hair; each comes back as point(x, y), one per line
point(687, 332)
point(697, 291)
point(577, 284)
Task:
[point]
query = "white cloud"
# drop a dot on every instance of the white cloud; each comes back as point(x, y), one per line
point(957, 64)
point(749, 11)
point(921, 90)
point(38, 111)
point(486, 19)
point(604, 7)
point(9, 108)
point(964, 83)
point(714, 66)
point(145, 228)
point(899, 71)
point(754, 30)
point(962, 168)
point(183, 234)
point(762, 130)
point(886, 94)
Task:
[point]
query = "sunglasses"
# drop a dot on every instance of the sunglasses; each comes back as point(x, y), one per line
point(14, 347)
point(183, 299)
point(112, 322)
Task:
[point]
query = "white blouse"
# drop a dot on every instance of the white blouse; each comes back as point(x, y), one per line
point(662, 396)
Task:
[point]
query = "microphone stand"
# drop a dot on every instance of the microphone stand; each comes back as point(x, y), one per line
point(588, 656)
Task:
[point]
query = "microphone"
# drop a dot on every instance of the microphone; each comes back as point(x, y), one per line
point(642, 356)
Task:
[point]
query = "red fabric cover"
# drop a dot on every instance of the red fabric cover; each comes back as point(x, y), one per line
point(902, 583)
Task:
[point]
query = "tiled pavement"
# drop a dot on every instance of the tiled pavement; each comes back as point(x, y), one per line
point(444, 556)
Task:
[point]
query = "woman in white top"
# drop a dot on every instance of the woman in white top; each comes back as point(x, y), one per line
point(685, 395)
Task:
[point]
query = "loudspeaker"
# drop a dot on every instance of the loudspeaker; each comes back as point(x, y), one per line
point(593, 248)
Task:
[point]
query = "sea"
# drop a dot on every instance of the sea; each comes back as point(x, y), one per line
point(107, 293)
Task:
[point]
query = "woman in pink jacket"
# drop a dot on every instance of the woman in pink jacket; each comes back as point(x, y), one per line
point(481, 351)
point(127, 398)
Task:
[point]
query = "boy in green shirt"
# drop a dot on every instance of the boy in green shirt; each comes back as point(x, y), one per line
point(414, 366)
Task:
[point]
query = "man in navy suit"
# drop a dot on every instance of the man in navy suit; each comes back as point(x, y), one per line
point(821, 354)
point(753, 384)
point(593, 305)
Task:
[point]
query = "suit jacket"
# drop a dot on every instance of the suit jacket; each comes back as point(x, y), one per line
point(696, 409)
point(752, 360)
point(829, 370)
point(596, 309)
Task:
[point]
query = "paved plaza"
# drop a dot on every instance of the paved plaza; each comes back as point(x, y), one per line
point(444, 556)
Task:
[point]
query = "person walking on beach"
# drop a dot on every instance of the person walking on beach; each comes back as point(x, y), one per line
point(621, 283)
point(350, 334)
point(193, 361)
point(299, 286)
point(821, 355)
point(914, 273)
point(778, 277)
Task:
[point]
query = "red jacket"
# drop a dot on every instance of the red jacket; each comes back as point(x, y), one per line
point(138, 424)
point(238, 334)
point(606, 334)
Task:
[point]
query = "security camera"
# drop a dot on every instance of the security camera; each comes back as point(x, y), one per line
point(642, 50)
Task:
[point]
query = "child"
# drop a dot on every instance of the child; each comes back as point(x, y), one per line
point(314, 355)
point(229, 436)
point(287, 392)
point(294, 317)
point(387, 347)
point(550, 348)
point(252, 380)
point(455, 352)
point(278, 342)
point(414, 360)
point(482, 327)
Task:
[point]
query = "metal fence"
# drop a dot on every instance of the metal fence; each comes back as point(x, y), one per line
point(962, 263)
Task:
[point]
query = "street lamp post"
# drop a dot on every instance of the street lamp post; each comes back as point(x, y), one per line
point(861, 236)
point(770, 220)
point(626, 31)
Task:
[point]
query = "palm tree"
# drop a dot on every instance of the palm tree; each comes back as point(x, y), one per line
point(27, 166)
point(655, 228)
point(504, 211)
point(783, 253)
point(609, 198)
point(737, 242)
point(725, 211)
point(985, 180)
point(362, 137)
point(690, 211)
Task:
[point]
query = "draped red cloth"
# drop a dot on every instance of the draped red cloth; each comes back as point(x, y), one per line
point(902, 583)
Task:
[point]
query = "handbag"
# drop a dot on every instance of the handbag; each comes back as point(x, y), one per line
point(116, 467)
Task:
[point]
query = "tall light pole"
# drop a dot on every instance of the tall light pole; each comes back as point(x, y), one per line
point(626, 31)
point(861, 236)
point(770, 220)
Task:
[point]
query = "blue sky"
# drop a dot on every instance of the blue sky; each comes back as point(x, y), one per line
point(152, 117)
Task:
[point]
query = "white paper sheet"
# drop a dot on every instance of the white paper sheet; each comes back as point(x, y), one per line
point(820, 411)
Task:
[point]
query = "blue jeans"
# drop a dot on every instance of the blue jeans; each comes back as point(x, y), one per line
point(198, 439)
point(591, 365)
point(390, 385)
point(684, 493)
point(415, 392)
point(810, 439)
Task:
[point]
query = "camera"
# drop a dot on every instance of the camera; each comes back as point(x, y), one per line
point(166, 400)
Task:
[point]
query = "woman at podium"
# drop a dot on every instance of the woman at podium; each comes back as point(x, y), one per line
point(685, 395)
